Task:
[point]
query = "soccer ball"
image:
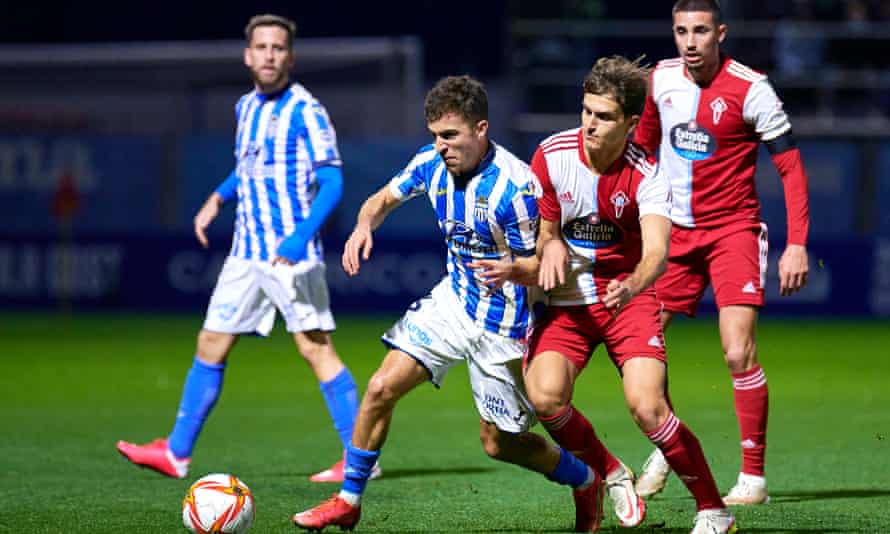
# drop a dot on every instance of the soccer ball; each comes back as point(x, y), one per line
point(218, 504)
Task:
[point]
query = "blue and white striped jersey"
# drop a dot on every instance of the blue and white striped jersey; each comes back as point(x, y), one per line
point(494, 215)
point(281, 140)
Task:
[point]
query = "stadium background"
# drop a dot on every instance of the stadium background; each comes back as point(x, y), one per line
point(114, 128)
point(115, 124)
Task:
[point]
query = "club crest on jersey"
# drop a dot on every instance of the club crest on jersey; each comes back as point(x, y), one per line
point(619, 200)
point(692, 142)
point(591, 231)
point(272, 128)
point(480, 210)
point(718, 106)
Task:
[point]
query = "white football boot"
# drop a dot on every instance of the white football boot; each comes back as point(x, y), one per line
point(629, 508)
point(654, 475)
point(750, 489)
point(718, 521)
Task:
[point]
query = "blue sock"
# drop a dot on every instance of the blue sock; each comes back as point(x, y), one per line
point(341, 396)
point(202, 386)
point(359, 464)
point(570, 471)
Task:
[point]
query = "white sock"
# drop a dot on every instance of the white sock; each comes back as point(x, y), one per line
point(351, 498)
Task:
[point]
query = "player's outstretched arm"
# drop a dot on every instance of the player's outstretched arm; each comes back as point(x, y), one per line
point(656, 234)
point(553, 255)
point(370, 217)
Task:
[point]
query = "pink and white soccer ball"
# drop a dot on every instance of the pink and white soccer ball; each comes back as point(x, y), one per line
point(218, 504)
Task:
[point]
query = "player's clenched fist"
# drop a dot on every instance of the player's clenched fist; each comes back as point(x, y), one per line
point(359, 244)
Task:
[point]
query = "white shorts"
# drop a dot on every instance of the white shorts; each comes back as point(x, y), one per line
point(437, 332)
point(248, 292)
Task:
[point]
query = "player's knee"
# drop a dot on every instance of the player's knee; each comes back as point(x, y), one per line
point(648, 413)
point(741, 356)
point(213, 347)
point(315, 347)
point(547, 404)
point(380, 392)
point(311, 352)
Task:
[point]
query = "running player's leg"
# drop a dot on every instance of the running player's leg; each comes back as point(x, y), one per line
point(644, 392)
point(423, 344)
point(398, 374)
point(636, 345)
point(495, 372)
point(558, 351)
point(738, 272)
point(679, 291)
point(533, 452)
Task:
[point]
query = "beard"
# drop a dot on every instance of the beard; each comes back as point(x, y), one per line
point(268, 83)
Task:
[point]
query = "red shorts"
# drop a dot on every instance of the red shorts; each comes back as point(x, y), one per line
point(575, 331)
point(732, 261)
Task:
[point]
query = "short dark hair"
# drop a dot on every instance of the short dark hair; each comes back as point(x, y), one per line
point(268, 19)
point(711, 6)
point(622, 79)
point(463, 95)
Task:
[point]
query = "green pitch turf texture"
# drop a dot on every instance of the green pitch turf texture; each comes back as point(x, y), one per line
point(71, 387)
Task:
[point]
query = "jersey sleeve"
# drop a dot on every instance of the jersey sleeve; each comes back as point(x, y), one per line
point(519, 219)
point(415, 178)
point(654, 193)
point(648, 131)
point(321, 138)
point(764, 111)
point(548, 205)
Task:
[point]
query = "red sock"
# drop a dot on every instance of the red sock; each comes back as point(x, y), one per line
point(751, 410)
point(574, 433)
point(683, 453)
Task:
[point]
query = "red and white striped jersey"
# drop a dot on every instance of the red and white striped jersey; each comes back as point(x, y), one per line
point(599, 214)
point(707, 139)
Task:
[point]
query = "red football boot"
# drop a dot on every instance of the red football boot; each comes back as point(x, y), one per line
point(589, 507)
point(334, 511)
point(156, 456)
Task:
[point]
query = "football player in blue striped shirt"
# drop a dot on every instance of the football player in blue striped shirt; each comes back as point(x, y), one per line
point(286, 180)
point(478, 314)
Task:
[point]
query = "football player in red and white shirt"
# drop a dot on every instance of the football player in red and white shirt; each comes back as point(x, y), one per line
point(706, 114)
point(604, 237)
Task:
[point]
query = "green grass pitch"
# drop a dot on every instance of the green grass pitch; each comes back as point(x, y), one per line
point(71, 387)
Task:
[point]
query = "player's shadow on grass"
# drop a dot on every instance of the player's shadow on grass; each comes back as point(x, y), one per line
point(746, 530)
point(433, 471)
point(426, 471)
point(643, 529)
point(798, 496)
